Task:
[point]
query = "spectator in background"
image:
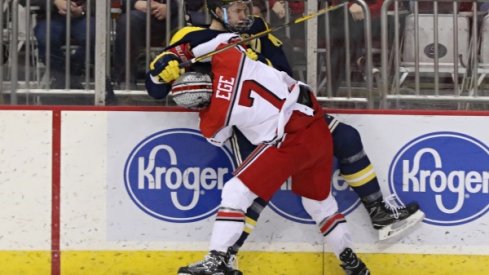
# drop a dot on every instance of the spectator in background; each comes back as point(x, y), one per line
point(279, 15)
point(260, 8)
point(195, 12)
point(356, 19)
point(484, 7)
point(427, 7)
point(78, 34)
point(137, 18)
point(282, 11)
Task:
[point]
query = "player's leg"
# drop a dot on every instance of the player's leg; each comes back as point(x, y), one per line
point(229, 223)
point(252, 215)
point(241, 149)
point(313, 183)
point(358, 172)
point(252, 178)
point(336, 234)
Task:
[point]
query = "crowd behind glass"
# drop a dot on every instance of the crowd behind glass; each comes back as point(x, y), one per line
point(132, 18)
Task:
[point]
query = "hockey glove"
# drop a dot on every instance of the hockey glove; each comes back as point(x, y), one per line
point(165, 67)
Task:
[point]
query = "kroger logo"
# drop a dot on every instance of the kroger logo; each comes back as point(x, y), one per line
point(289, 205)
point(177, 176)
point(447, 173)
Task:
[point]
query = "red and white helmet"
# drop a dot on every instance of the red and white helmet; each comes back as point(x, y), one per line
point(192, 90)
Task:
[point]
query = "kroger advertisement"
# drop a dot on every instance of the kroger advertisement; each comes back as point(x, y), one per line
point(164, 184)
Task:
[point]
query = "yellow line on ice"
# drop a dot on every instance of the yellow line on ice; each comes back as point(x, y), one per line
point(251, 263)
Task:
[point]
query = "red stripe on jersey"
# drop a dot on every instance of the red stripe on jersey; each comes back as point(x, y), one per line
point(331, 223)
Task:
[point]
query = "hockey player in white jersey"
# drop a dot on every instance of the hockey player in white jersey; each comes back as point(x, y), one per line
point(388, 214)
point(283, 118)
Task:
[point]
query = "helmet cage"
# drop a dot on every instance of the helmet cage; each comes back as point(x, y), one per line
point(224, 5)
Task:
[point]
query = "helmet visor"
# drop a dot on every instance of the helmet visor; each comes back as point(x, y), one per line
point(238, 15)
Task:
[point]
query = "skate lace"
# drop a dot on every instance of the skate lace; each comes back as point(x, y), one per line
point(393, 203)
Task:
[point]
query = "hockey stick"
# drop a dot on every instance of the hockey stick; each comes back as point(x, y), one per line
point(260, 34)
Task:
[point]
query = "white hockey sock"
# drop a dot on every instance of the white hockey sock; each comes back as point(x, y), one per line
point(331, 223)
point(230, 219)
point(225, 233)
point(336, 234)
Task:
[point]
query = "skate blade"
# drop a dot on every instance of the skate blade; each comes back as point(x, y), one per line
point(399, 227)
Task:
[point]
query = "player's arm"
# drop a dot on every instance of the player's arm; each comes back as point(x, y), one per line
point(165, 68)
point(221, 136)
point(215, 122)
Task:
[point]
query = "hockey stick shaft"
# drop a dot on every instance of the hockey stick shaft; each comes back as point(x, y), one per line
point(261, 34)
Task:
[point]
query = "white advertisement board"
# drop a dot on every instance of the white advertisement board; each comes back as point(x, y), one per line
point(25, 180)
point(148, 180)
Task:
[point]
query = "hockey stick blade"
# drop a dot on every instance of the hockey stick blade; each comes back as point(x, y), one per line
point(260, 34)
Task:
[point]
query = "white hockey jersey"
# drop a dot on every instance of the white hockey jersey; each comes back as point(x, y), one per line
point(251, 96)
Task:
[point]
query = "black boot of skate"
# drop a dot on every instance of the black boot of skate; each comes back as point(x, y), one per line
point(215, 263)
point(352, 264)
point(392, 218)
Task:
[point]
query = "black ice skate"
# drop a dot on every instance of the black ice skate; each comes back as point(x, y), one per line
point(352, 264)
point(215, 263)
point(391, 218)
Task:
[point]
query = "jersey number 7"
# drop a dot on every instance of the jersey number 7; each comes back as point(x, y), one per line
point(246, 100)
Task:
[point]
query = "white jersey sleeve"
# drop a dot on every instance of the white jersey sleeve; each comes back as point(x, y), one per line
point(212, 44)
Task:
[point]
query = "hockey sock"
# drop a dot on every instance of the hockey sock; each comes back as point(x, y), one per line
point(336, 233)
point(354, 164)
point(236, 198)
point(252, 215)
point(227, 228)
point(331, 223)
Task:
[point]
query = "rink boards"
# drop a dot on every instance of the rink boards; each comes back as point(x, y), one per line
point(133, 191)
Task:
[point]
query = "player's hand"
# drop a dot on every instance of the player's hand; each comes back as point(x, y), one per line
point(166, 67)
point(251, 54)
point(357, 12)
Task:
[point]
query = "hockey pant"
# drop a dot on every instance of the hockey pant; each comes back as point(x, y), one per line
point(353, 163)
